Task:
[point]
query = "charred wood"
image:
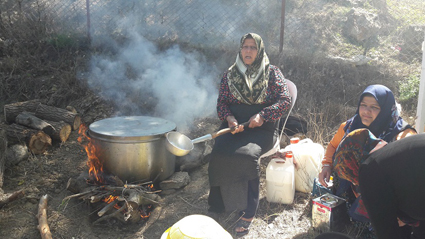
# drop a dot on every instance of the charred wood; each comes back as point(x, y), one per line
point(37, 141)
point(30, 120)
point(57, 114)
point(116, 214)
point(14, 109)
point(107, 208)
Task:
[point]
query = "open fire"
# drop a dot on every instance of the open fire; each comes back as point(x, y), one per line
point(110, 196)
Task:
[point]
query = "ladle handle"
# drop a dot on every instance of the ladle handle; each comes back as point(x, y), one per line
point(227, 130)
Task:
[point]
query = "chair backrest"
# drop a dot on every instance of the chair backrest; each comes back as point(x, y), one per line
point(293, 93)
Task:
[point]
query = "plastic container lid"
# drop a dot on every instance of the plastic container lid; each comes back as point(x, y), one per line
point(196, 227)
point(289, 154)
point(295, 140)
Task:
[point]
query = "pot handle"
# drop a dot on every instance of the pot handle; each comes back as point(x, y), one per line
point(227, 130)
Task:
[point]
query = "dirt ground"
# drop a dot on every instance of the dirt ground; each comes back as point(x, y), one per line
point(49, 173)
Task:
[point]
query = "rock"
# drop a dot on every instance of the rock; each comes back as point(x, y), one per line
point(361, 25)
point(176, 181)
point(16, 154)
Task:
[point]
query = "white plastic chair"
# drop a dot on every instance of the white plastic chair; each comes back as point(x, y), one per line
point(293, 93)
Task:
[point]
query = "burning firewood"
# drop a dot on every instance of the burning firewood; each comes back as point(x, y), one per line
point(43, 226)
point(57, 114)
point(14, 109)
point(107, 208)
point(37, 141)
point(126, 203)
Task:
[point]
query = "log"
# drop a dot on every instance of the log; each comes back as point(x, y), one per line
point(43, 226)
point(3, 152)
point(57, 114)
point(107, 208)
point(61, 131)
point(30, 120)
point(9, 197)
point(37, 141)
point(14, 109)
point(116, 214)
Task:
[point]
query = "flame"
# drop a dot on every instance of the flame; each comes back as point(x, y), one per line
point(146, 213)
point(94, 163)
point(110, 199)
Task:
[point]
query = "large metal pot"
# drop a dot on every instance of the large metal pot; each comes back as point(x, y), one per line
point(133, 147)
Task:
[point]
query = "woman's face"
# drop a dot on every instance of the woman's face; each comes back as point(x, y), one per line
point(368, 110)
point(249, 51)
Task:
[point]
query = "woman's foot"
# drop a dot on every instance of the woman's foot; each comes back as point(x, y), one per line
point(242, 226)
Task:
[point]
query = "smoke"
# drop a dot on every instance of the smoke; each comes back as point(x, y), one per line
point(142, 80)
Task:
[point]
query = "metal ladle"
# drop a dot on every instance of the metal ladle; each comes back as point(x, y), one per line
point(180, 145)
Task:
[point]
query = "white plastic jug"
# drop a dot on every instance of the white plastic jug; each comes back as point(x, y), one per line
point(308, 156)
point(280, 181)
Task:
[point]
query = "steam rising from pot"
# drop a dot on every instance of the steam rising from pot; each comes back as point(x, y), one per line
point(141, 80)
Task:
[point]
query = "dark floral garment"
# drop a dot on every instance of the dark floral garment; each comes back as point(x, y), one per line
point(277, 93)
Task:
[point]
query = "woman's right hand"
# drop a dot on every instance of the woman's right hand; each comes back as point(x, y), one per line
point(325, 175)
point(233, 123)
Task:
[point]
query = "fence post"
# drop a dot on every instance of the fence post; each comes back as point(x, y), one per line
point(88, 20)
point(420, 120)
point(282, 25)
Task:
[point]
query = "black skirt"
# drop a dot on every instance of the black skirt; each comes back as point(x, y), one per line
point(234, 158)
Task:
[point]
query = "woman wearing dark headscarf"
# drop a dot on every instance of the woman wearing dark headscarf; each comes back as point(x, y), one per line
point(377, 112)
point(390, 178)
point(392, 183)
point(253, 91)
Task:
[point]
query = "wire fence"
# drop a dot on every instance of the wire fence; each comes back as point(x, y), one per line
point(336, 29)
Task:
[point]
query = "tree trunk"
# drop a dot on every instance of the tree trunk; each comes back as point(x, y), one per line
point(57, 114)
point(61, 130)
point(28, 119)
point(14, 109)
point(37, 141)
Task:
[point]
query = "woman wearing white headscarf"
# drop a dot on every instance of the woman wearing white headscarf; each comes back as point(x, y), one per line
point(250, 91)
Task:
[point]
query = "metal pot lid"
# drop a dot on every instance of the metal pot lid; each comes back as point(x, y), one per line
point(130, 127)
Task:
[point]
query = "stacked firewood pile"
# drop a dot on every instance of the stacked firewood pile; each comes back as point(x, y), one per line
point(31, 127)
point(35, 125)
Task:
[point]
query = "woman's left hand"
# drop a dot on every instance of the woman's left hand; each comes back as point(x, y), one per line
point(256, 121)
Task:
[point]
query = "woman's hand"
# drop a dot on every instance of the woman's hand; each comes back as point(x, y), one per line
point(233, 123)
point(325, 175)
point(256, 121)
